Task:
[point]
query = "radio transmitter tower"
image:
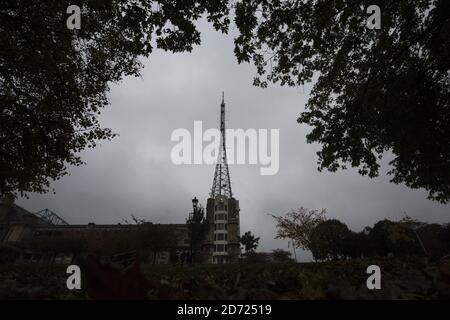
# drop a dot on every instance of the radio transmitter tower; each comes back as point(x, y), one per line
point(222, 209)
point(221, 184)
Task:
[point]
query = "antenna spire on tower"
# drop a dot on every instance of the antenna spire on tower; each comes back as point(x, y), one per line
point(221, 183)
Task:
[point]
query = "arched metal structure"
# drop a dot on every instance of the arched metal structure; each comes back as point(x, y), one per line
point(50, 217)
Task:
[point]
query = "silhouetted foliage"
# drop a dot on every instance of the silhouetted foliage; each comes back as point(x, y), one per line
point(281, 256)
point(376, 91)
point(8, 253)
point(332, 239)
point(358, 245)
point(445, 237)
point(249, 241)
point(327, 240)
point(431, 236)
point(297, 226)
point(396, 238)
point(155, 238)
point(54, 81)
point(198, 229)
point(253, 257)
point(103, 281)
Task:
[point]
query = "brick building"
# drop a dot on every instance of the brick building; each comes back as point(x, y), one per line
point(220, 245)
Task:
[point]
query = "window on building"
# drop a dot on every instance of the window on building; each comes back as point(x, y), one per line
point(221, 216)
point(221, 248)
point(220, 236)
point(221, 226)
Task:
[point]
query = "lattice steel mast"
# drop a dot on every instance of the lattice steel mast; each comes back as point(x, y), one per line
point(221, 184)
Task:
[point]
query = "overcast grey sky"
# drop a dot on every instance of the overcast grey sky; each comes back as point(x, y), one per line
point(133, 174)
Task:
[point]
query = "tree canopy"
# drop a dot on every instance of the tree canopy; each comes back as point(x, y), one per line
point(297, 226)
point(249, 241)
point(281, 256)
point(376, 90)
point(198, 230)
point(54, 81)
point(327, 239)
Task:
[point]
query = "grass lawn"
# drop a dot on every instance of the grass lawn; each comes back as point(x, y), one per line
point(402, 278)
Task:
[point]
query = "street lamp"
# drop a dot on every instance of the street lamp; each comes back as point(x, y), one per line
point(195, 203)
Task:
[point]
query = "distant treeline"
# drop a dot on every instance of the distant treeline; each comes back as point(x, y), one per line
point(332, 239)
